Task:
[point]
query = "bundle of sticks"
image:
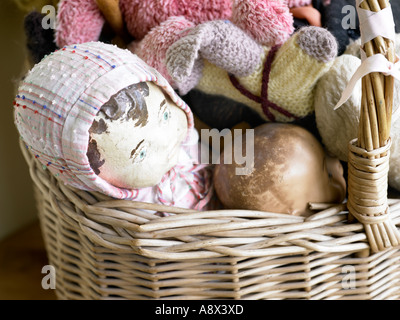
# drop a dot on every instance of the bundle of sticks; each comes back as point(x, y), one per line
point(369, 154)
point(377, 94)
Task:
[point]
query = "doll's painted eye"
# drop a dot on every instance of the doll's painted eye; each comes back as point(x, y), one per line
point(139, 153)
point(166, 115)
point(142, 154)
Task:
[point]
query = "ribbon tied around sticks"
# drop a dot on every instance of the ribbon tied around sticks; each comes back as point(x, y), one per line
point(368, 159)
point(373, 25)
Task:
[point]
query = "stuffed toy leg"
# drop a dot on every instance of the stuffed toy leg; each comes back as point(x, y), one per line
point(217, 58)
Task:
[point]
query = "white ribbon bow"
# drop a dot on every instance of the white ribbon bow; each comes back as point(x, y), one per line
point(372, 25)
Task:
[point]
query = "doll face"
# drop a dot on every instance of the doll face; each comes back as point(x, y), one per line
point(136, 137)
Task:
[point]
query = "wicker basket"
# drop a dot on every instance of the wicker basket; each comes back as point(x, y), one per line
point(103, 248)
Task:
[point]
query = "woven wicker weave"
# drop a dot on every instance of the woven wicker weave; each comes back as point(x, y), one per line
point(104, 249)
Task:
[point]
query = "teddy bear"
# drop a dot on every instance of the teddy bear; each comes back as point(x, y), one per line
point(329, 14)
point(82, 20)
point(338, 127)
point(122, 21)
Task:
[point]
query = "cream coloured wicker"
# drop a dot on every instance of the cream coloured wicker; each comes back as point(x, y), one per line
point(112, 249)
point(369, 153)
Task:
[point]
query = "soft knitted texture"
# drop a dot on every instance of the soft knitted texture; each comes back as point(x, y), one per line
point(142, 15)
point(295, 72)
point(58, 101)
point(297, 3)
point(221, 43)
point(268, 22)
point(81, 21)
point(78, 21)
point(292, 78)
point(153, 48)
point(316, 44)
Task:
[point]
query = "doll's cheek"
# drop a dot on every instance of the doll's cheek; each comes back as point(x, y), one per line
point(150, 173)
point(134, 176)
point(178, 122)
point(143, 180)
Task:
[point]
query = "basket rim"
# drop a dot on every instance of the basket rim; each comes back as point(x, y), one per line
point(128, 226)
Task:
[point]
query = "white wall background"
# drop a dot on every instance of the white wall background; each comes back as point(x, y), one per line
point(17, 207)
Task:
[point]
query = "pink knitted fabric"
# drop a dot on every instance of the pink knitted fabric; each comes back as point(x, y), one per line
point(58, 101)
point(143, 15)
point(153, 48)
point(298, 3)
point(268, 22)
point(81, 21)
point(78, 21)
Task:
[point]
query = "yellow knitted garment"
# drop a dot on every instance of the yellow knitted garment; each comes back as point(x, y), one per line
point(293, 77)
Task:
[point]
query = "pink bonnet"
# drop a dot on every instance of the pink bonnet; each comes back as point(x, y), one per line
point(59, 99)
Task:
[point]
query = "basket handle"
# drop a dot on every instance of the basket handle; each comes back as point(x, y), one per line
point(369, 153)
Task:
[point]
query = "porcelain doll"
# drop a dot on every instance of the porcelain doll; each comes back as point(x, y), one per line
point(100, 119)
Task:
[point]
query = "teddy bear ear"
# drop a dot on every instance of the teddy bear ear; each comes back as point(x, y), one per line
point(268, 22)
point(78, 21)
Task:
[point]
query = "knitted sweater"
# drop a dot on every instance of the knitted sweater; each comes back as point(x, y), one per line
point(292, 78)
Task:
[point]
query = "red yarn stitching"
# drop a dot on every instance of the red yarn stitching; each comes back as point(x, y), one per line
point(265, 103)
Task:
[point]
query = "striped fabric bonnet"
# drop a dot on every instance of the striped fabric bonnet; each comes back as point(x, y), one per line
point(58, 100)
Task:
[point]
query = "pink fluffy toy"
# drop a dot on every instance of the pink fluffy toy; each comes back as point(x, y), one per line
point(267, 21)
